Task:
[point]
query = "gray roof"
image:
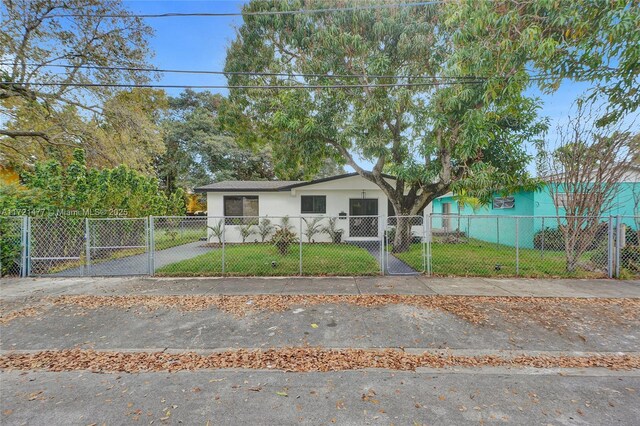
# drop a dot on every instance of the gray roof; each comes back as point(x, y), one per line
point(248, 185)
point(268, 185)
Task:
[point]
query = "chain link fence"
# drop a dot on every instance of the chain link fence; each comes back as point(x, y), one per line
point(275, 246)
point(527, 246)
point(627, 244)
point(440, 245)
point(56, 246)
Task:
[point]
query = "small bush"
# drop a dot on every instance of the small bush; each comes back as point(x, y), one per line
point(333, 231)
point(553, 238)
point(265, 228)
point(216, 231)
point(282, 240)
point(549, 239)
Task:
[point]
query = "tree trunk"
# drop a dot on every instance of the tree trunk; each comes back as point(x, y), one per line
point(572, 263)
point(403, 236)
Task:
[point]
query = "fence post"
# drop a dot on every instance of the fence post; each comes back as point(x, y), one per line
point(542, 244)
point(224, 236)
point(151, 245)
point(497, 232)
point(300, 246)
point(610, 248)
point(29, 239)
point(429, 248)
point(382, 228)
point(23, 247)
point(517, 247)
point(87, 239)
point(424, 247)
point(618, 245)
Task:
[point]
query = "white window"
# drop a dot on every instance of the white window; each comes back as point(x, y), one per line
point(563, 199)
point(500, 203)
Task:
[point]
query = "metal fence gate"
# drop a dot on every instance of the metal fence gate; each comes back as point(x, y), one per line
point(13, 245)
point(412, 258)
point(56, 246)
point(117, 246)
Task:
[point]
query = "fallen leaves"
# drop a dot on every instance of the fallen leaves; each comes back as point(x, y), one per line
point(474, 309)
point(30, 311)
point(296, 359)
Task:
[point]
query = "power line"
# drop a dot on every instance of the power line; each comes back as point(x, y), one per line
point(250, 73)
point(189, 86)
point(258, 13)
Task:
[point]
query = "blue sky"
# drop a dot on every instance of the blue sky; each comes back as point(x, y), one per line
point(201, 42)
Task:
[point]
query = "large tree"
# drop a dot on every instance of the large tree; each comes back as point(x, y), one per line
point(448, 113)
point(65, 44)
point(433, 136)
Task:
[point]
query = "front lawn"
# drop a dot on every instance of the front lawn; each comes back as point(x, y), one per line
point(254, 259)
point(484, 259)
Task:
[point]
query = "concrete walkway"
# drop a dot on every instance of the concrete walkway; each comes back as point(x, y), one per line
point(420, 285)
point(392, 265)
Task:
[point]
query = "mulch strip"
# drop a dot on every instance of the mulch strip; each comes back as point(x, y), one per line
point(299, 359)
point(473, 309)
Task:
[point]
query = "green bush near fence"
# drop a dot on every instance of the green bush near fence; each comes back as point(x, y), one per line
point(255, 259)
point(484, 259)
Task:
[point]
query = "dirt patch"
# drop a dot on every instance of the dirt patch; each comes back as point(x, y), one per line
point(290, 359)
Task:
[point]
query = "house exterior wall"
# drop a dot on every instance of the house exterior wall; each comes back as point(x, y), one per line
point(495, 229)
point(531, 203)
point(277, 204)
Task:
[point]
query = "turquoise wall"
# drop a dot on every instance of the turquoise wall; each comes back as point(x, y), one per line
point(501, 227)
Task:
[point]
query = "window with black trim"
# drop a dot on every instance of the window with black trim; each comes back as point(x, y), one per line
point(239, 206)
point(313, 204)
point(500, 203)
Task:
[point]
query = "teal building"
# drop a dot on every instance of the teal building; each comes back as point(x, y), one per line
point(524, 213)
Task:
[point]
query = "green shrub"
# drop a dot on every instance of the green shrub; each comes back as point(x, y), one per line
point(333, 231)
point(282, 240)
point(265, 228)
point(553, 238)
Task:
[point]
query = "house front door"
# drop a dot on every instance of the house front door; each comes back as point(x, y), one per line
point(365, 225)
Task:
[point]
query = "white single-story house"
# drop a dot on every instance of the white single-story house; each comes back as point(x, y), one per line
point(348, 197)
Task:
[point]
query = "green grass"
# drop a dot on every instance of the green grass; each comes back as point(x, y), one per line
point(479, 258)
point(256, 260)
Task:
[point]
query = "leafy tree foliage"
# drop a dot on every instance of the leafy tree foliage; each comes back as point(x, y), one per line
point(39, 121)
point(434, 137)
point(583, 40)
point(51, 188)
point(200, 149)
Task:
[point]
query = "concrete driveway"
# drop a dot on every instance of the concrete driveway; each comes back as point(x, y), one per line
point(139, 264)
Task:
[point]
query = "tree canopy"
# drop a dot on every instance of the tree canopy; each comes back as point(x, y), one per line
point(431, 134)
point(41, 120)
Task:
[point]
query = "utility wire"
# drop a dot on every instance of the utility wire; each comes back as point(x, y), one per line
point(188, 86)
point(247, 73)
point(258, 13)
